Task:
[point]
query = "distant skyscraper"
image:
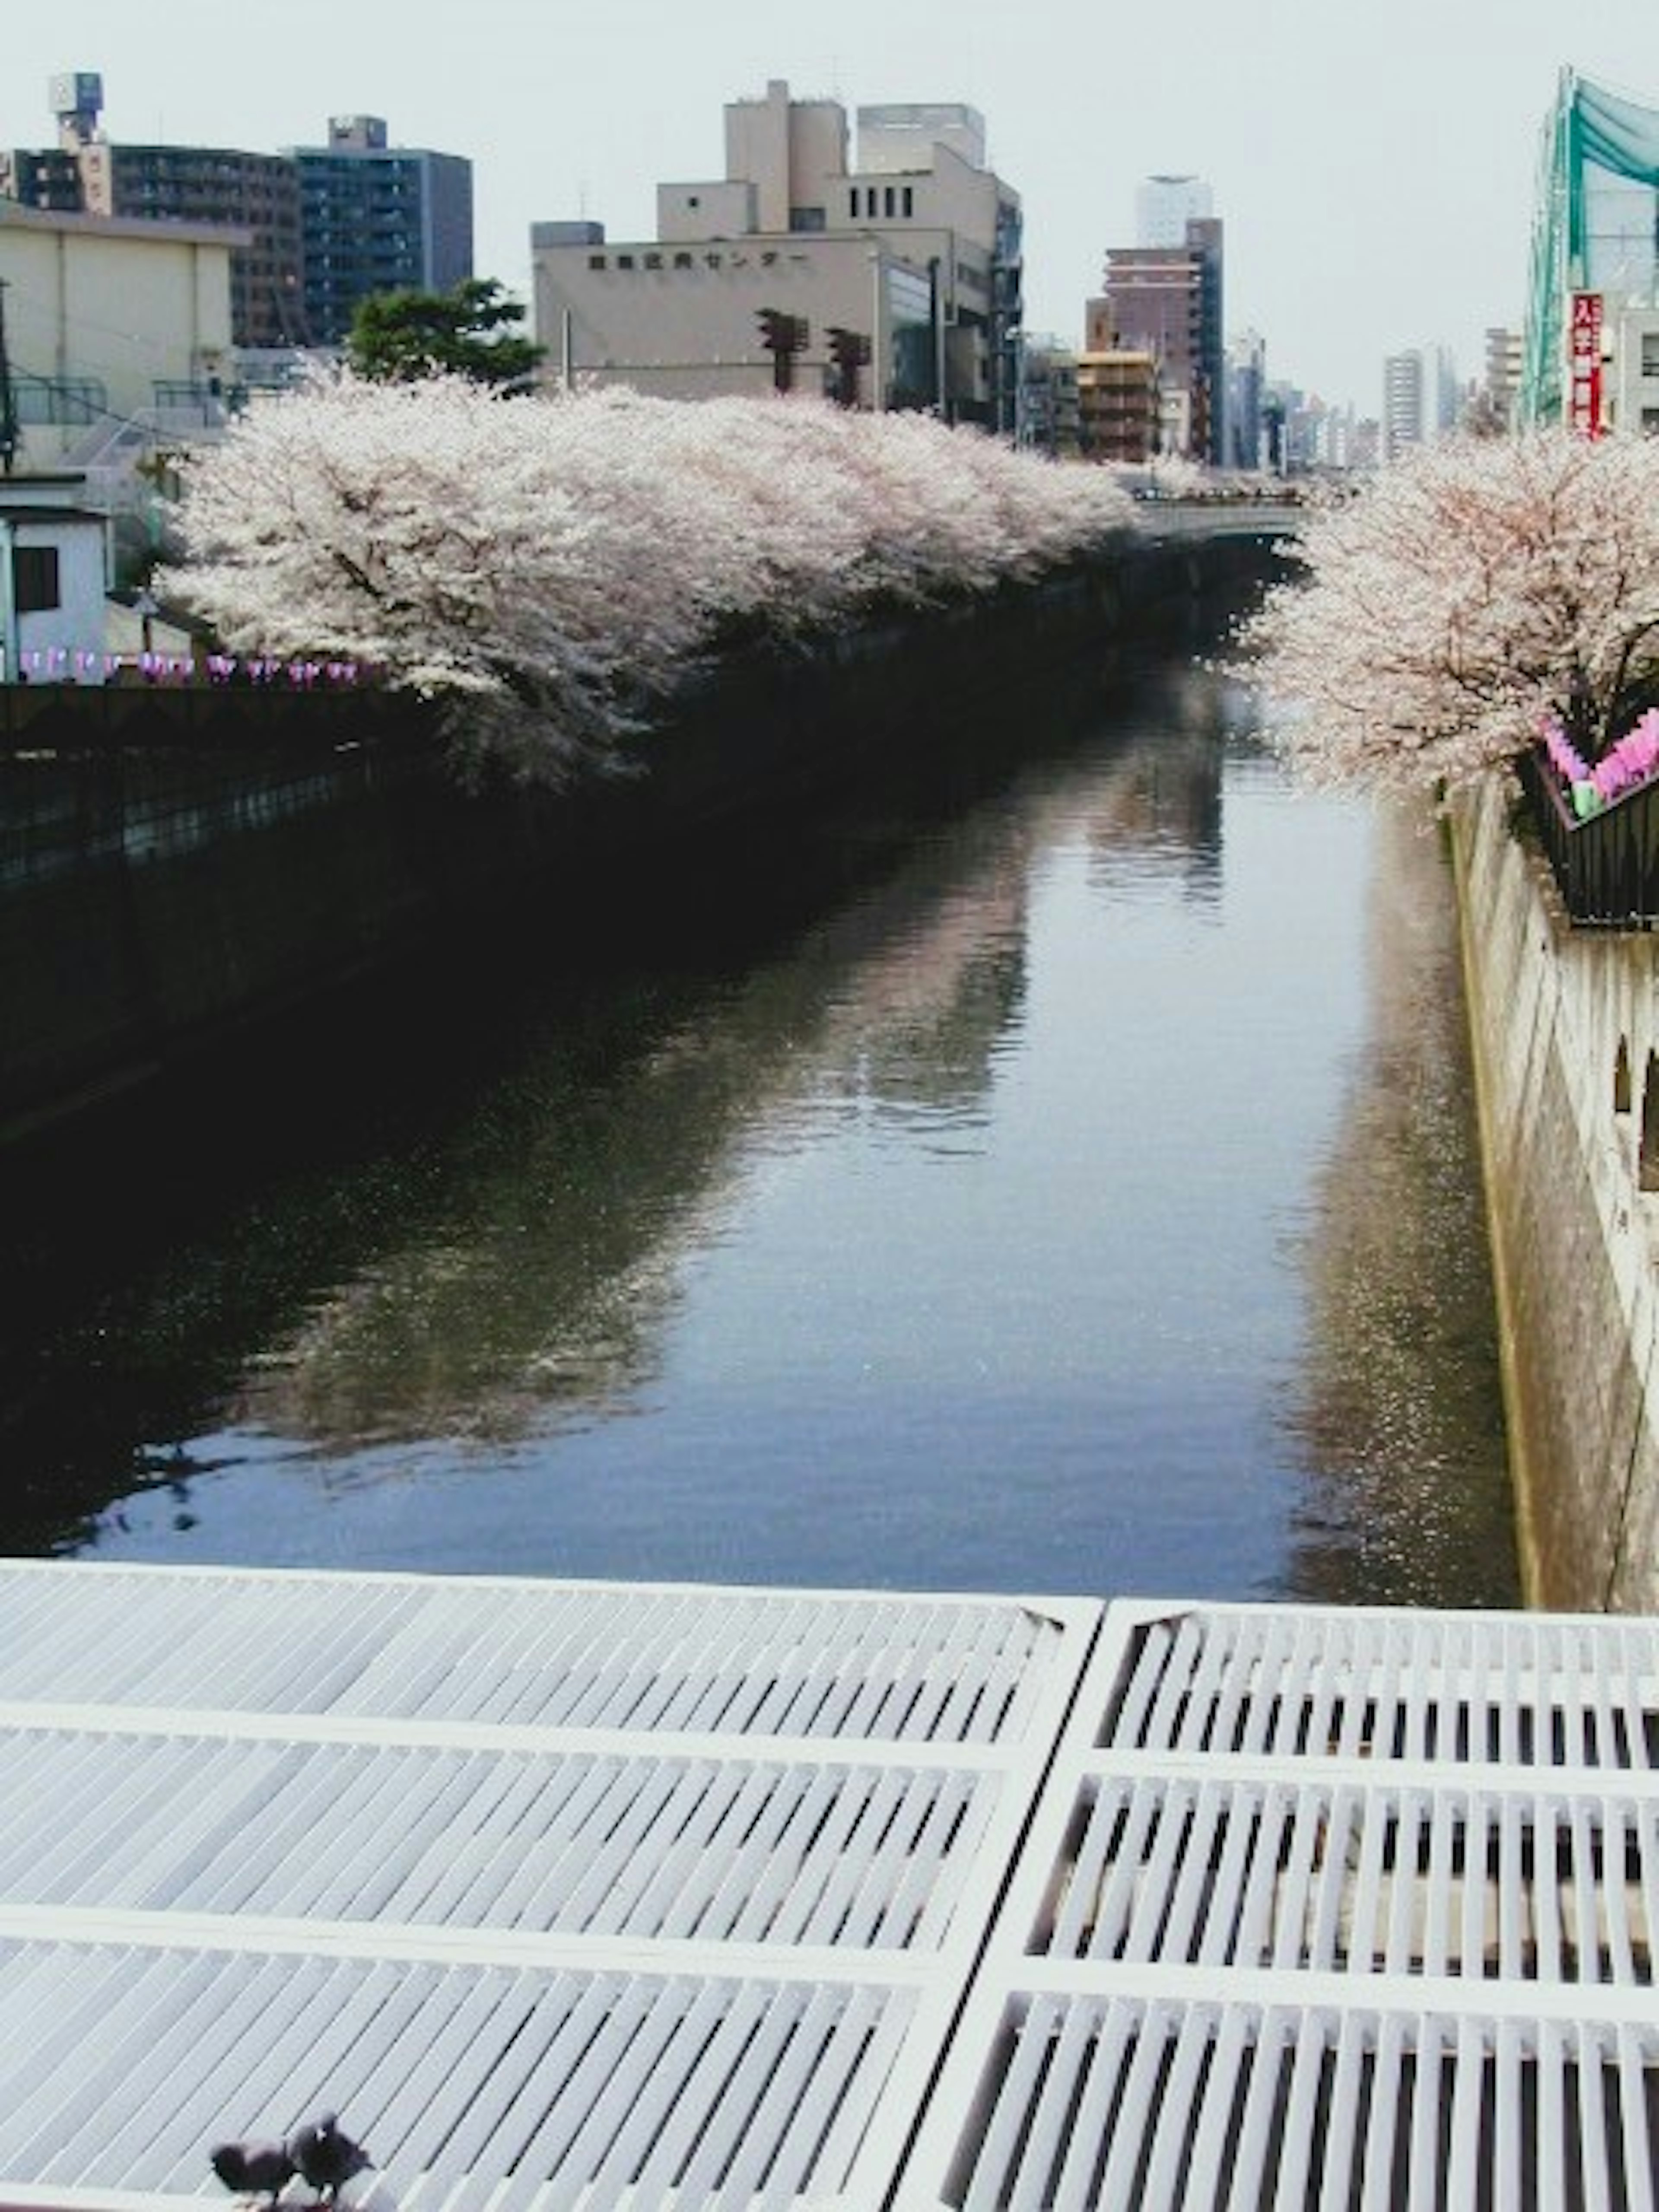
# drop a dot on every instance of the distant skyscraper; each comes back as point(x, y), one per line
point(1404, 393)
point(1165, 205)
point(1247, 379)
point(1506, 366)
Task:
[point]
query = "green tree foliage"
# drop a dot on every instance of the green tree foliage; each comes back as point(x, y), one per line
point(399, 338)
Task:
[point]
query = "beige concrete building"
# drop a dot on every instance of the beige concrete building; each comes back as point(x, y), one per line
point(111, 323)
point(914, 247)
point(1120, 403)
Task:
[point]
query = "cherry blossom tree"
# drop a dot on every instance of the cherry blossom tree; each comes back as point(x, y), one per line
point(554, 566)
point(1472, 593)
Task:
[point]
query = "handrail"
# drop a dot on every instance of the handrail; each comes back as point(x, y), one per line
point(1606, 865)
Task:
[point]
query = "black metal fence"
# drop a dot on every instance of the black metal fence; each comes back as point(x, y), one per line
point(1606, 865)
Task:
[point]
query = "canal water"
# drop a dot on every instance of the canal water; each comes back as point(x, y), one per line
point(1054, 1171)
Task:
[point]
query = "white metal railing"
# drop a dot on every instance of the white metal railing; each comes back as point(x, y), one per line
point(1325, 1908)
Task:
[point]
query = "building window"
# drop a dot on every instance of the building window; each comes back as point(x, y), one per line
point(625, 261)
point(596, 261)
point(887, 198)
point(683, 261)
point(1650, 353)
point(34, 582)
point(909, 199)
point(853, 203)
point(807, 218)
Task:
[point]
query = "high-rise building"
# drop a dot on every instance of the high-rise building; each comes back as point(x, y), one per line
point(1167, 301)
point(1422, 399)
point(1500, 393)
point(1405, 388)
point(1247, 378)
point(1165, 205)
point(906, 257)
point(376, 217)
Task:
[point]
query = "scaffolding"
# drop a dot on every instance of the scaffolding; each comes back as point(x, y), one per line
point(1593, 143)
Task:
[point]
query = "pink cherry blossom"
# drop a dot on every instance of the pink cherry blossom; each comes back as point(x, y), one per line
point(1469, 594)
point(554, 566)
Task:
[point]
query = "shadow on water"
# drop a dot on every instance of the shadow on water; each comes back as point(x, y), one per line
point(914, 1083)
point(483, 1165)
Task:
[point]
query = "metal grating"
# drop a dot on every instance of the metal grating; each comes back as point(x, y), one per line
point(1525, 1885)
point(524, 1655)
point(733, 1850)
point(1512, 1690)
point(1134, 2102)
point(562, 1894)
point(1325, 1909)
point(613, 1898)
point(502, 2086)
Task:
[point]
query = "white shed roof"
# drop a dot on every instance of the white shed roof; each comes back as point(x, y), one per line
point(605, 1896)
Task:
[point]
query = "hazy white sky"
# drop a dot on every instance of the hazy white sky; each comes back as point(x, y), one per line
point(1373, 163)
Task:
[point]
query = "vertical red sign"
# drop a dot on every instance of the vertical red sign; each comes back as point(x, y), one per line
point(1584, 364)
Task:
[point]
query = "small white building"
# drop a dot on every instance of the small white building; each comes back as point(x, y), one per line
point(54, 575)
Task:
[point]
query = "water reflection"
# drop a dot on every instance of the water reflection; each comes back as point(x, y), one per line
point(913, 1212)
point(542, 1296)
point(1396, 1412)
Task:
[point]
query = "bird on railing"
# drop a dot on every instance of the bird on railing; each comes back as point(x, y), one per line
point(325, 2156)
point(254, 2169)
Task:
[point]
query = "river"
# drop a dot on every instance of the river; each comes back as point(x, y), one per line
point(1054, 1173)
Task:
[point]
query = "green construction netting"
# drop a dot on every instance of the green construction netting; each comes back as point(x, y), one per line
point(1588, 129)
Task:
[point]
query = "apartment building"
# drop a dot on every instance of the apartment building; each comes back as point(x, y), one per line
point(1167, 301)
point(320, 228)
point(376, 217)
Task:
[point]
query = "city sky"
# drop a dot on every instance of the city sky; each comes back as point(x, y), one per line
point(1374, 168)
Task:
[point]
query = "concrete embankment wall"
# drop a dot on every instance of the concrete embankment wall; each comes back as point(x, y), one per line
point(1563, 1025)
point(176, 864)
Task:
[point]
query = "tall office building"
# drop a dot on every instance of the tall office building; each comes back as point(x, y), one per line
point(1506, 369)
point(1246, 383)
point(1165, 205)
point(1405, 393)
point(378, 218)
point(1167, 301)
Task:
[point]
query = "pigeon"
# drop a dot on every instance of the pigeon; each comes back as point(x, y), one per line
point(324, 2157)
point(254, 2169)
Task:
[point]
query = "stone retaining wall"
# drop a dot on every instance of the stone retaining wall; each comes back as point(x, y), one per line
point(1565, 1027)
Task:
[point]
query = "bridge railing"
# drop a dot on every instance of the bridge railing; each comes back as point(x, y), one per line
point(1607, 864)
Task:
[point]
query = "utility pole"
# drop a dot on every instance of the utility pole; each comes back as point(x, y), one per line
point(9, 433)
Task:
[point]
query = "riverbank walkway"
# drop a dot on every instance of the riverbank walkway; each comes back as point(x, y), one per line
point(609, 1896)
